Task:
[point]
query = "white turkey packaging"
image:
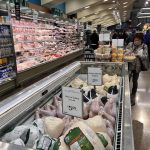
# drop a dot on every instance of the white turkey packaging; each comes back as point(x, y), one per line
point(80, 137)
point(53, 126)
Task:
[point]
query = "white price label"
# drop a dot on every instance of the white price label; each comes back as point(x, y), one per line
point(95, 76)
point(72, 101)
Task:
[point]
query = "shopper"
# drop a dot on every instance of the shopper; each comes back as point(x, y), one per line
point(147, 41)
point(130, 37)
point(94, 40)
point(141, 52)
point(115, 35)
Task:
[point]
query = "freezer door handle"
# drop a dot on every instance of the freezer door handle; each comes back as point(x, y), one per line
point(45, 92)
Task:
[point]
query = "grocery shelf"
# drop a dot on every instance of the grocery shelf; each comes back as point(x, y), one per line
point(37, 71)
point(32, 27)
point(7, 56)
point(33, 41)
point(8, 65)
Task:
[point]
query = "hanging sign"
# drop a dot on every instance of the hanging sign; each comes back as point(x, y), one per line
point(72, 102)
point(17, 10)
point(94, 76)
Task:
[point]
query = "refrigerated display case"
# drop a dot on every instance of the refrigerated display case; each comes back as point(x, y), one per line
point(20, 108)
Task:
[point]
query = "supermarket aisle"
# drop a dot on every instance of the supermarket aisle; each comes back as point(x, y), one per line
point(141, 113)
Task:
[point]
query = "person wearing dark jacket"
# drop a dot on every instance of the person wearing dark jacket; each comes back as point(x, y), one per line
point(94, 40)
point(147, 41)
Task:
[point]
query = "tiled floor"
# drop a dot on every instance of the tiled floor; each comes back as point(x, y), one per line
point(141, 113)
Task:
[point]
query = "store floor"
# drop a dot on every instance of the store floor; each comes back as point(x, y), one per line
point(141, 113)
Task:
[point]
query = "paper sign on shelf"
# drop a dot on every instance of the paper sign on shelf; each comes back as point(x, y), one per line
point(101, 37)
point(120, 42)
point(94, 76)
point(117, 42)
point(114, 43)
point(72, 101)
point(107, 37)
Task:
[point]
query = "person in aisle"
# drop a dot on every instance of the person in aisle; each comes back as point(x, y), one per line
point(115, 35)
point(130, 37)
point(147, 40)
point(94, 40)
point(140, 50)
point(125, 36)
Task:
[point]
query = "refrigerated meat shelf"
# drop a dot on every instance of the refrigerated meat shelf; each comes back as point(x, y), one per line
point(18, 108)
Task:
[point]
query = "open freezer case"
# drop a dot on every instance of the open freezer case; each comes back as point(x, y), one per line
point(25, 107)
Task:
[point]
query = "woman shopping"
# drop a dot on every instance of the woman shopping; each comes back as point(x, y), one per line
point(140, 50)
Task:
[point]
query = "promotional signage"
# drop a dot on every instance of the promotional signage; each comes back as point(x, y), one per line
point(17, 10)
point(72, 101)
point(94, 76)
point(104, 37)
point(117, 42)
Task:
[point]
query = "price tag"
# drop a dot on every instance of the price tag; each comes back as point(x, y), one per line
point(17, 10)
point(94, 76)
point(72, 102)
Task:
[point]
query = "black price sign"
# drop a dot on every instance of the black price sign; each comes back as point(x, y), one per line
point(17, 10)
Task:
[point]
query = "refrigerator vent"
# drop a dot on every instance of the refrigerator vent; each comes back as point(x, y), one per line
point(119, 129)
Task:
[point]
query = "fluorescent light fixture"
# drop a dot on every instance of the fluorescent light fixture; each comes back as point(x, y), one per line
point(141, 13)
point(146, 2)
point(125, 6)
point(143, 17)
point(139, 24)
point(125, 3)
point(146, 8)
point(87, 7)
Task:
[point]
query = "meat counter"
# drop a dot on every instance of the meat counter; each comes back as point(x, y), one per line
point(20, 108)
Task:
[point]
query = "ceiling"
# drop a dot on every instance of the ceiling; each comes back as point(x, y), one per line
point(104, 12)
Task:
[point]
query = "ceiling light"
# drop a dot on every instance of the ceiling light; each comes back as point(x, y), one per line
point(139, 24)
point(146, 8)
point(110, 8)
point(105, 0)
point(87, 7)
point(125, 6)
point(113, 1)
point(146, 2)
point(125, 3)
